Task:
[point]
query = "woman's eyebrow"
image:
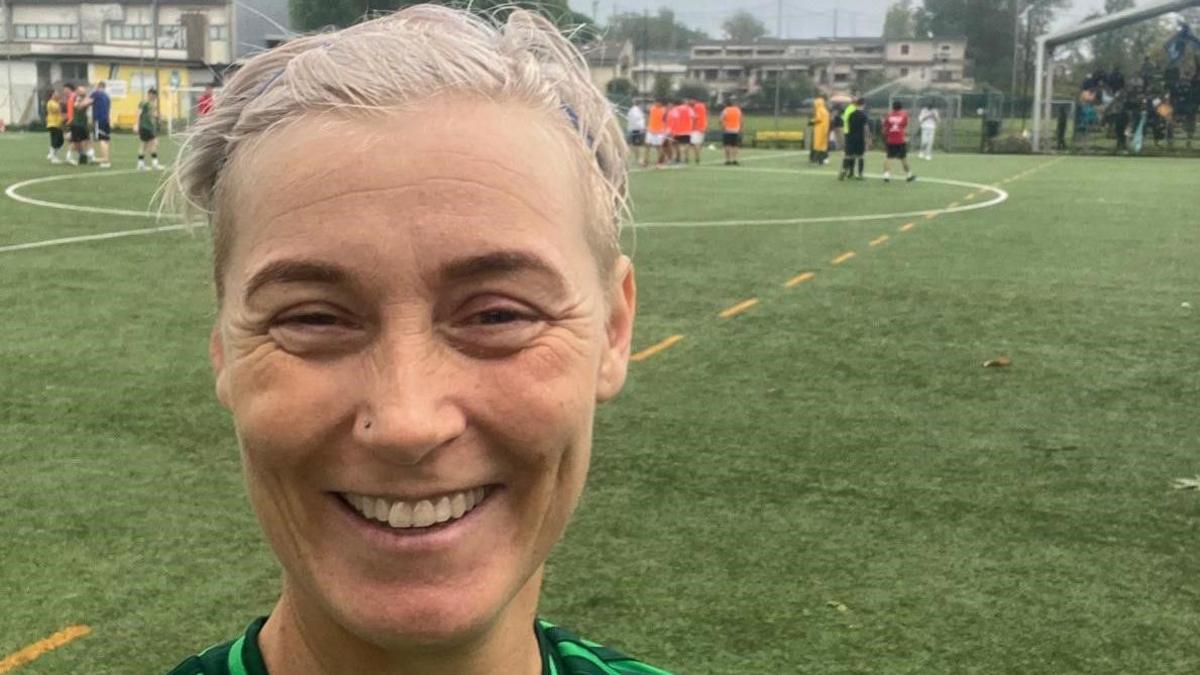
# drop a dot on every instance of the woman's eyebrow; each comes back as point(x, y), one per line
point(294, 271)
point(500, 263)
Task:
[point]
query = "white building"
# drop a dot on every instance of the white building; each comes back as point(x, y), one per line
point(131, 45)
point(835, 65)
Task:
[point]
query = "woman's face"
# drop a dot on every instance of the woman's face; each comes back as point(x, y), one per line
point(413, 338)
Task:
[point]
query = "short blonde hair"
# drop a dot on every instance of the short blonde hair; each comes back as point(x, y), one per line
point(398, 61)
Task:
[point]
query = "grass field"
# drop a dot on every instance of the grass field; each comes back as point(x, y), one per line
point(826, 481)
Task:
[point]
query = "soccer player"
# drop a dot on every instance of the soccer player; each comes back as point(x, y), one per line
point(81, 135)
point(147, 131)
point(204, 104)
point(820, 133)
point(54, 124)
point(895, 130)
point(731, 128)
point(656, 131)
point(635, 121)
point(928, 119)
point(699, 127)
point(68, 103)
point(857, 130)
point(101, 110)
point(679, 121)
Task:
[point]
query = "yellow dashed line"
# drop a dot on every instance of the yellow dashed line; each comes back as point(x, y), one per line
point(844, 257)
point(738, 308)
point(930, 216)
point(907, 226)
point(648, 352)
point(879, 240)
point(799, 279)
point(32, 652)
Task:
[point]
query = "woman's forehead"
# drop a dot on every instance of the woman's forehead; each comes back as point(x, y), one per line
point(474, 177)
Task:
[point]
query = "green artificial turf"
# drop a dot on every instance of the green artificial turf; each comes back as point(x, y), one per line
point(828, 482)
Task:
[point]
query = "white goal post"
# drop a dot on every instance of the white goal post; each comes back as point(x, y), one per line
point(1043, 79)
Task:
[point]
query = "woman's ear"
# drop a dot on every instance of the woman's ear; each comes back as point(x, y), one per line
point(216, 357)
point(622, 306)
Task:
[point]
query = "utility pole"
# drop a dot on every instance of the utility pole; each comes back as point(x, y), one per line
point(8, 60)
point(645, 47)
point(154, 37)
point(778, 73)
point(1012, 91)
point(833, 56)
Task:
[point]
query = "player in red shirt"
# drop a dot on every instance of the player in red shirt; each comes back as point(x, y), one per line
point(699, 126)
point(679, 122)
point(204, 104)
point(895, 132)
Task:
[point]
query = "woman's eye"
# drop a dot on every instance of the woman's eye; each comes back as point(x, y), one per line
point(312, 320)
point(494, 317)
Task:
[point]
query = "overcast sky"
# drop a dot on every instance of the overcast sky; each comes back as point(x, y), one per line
point(801, 18)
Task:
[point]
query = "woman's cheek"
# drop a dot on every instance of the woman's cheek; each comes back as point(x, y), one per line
point(290, 402)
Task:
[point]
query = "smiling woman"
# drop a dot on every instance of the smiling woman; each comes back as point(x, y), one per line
point(421, 301)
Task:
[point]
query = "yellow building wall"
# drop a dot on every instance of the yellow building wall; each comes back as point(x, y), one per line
point(126, 86)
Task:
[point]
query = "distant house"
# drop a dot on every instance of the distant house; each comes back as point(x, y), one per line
point(174, 45)
point(835, 65)
point(608, 60)
point(652, 65)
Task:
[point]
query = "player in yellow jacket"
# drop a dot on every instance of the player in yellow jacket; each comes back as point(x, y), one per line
point(54, 124)
point(820, 133)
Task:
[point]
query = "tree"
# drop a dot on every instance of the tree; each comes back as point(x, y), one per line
point(693, 89)
point(794, 90)
point(619, 88)
point(653, 31)
point(899, 24)
point(662, 86)
point(1125, 48)
point(988, 27)
point(316, 14)
point(742, 26)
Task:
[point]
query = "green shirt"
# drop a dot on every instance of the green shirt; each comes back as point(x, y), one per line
point(146, 120)
point(562, 654)
point(847, 113)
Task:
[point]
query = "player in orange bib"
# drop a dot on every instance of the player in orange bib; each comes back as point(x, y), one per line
point(656, 130)
point(679, 123)
point(699, 128)
point(731, 128)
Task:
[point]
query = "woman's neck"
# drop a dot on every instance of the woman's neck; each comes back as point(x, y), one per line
point(299, 638)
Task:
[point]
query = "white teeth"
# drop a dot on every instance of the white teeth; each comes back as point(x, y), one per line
point(441, 512)
point(402, 515)
point(423, 514)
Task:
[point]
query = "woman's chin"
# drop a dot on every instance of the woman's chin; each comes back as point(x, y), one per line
point(427, 617)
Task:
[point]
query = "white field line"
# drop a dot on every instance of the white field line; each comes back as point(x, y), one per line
point(1000, 196)
point(98, 237)
point(768, 154)
point(12, 193)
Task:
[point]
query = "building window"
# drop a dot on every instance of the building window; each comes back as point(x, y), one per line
point(129, 32)
point(904, 50)
point(44, 31)
point(218, 32)
point(904, 72)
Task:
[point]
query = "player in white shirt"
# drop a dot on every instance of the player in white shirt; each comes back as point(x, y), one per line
point(928, 120)
point(635, 122)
